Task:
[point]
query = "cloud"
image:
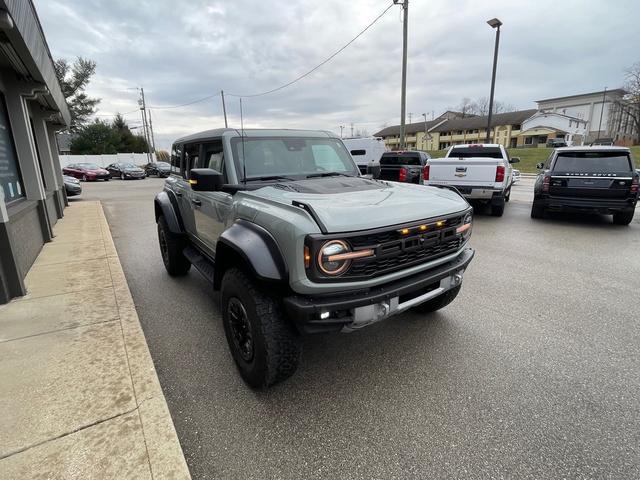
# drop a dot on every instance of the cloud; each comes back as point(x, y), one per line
point(184, 51)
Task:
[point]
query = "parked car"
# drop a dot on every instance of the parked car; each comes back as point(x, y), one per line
point(403, 166)
point(556, 143)
point(87, 172)
point(365, 150)
point(161, 169)
point(71, 185)
point(298, 241)
point(125, 171)
point(515, 176)
point(588, 179)
point(481, 173)
point(607, 142)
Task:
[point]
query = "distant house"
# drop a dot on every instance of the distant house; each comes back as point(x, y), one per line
point(453, 129)
point(542, 126)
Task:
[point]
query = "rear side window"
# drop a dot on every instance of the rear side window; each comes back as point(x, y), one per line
point(400, 160)
point(483, 152)
point(176, 159)
point(592, 162)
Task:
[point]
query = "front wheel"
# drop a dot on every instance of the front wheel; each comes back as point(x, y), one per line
point(263, 344)
point(497, 208)
point(623, 218)
point(171, 247)
point(84, 177)
point(122, 176)
point(438, 302)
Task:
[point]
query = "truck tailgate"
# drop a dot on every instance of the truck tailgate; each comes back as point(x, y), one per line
point(463, 171)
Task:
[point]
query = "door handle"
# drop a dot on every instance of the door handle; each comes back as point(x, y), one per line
point(197, 203)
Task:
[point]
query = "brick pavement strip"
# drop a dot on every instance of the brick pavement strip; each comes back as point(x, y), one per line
point(80, 398)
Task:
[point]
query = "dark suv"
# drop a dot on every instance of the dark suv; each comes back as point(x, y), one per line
point(406, 167)
point(592, 179)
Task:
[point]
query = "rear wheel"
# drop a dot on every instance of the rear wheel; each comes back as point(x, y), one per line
point(439, 302)
point(263, 344)
point(171, 247)
point(122, 176)
point(623, 218)
point(508, 195)
point(537, 210)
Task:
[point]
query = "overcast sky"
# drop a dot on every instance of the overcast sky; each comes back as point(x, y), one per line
point(183, 51)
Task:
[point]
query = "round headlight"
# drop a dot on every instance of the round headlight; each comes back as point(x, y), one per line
point(327, 261)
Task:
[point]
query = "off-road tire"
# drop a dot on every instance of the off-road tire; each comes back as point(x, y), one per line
point(438, 302)
point(537, 210)
point(276, 345)
point(623, 218)
point(174, 261)
point(497, 209)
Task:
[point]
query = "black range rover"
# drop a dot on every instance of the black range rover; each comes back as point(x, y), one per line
point(592, 179)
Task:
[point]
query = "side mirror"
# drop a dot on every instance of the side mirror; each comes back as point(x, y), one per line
point(373, 169)
point(540, 166)
point(514, 160)
point(205, 180)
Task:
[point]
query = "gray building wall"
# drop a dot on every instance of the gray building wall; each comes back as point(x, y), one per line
point(35, 110)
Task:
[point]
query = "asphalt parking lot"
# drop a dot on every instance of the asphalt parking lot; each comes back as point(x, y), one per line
point(533, 372)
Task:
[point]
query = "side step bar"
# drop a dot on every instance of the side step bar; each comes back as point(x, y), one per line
point(202, 263)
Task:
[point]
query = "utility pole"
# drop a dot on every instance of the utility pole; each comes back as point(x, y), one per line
point(145, 125)
point(604, 97)
point(351, 129)
point(403, 94)
point(410, 115)
point(493, 23)
point(224, 109)
point(341, 128)
point(425, 130)
point(153, 139)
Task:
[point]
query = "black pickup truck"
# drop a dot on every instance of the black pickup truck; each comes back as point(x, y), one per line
point(403, 166)
point(588, 179)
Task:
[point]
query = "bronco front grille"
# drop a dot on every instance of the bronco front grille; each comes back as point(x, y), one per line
point(394, 248)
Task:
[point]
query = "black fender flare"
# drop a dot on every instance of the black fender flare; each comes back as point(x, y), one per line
point(256, 246)
point(166, 204)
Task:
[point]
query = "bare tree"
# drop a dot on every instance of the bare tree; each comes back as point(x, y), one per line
point(466, 107)
point(628, 107)
point(480, 106)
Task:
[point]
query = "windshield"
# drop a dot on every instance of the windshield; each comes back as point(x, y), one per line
point(163, 164)
point(482, 152)
point(129, 165)
point(292, 157)
point(592, 162)
point(89, 166)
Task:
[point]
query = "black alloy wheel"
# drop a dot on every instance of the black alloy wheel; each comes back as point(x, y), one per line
point(240, 329)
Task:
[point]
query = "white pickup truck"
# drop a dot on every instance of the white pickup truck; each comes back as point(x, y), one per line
point(481, 173)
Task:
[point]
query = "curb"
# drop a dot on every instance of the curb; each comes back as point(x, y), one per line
point(166, 458)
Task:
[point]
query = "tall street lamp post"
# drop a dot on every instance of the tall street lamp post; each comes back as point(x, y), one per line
point(493, 23)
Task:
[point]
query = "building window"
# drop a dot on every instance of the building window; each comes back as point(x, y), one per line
point(10, 176)
point(528, 140)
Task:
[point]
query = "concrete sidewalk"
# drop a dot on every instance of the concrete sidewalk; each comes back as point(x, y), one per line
point(79, 395)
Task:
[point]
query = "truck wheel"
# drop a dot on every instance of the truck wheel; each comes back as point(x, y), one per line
point(508, 195)
point(623, 218)
point(263, 344)
point(171, 247)
point(537, 210)
point(438, 302)
point(497, 209)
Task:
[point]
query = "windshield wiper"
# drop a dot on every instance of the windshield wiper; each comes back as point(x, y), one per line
point(329, 174)
point(269, 177)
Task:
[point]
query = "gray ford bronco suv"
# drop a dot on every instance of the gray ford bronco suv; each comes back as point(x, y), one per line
point(297, 241)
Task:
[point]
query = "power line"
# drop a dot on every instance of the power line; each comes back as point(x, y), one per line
point(320, 64)
point(166, 107)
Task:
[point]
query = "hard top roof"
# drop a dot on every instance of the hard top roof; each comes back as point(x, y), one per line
point(254, 132)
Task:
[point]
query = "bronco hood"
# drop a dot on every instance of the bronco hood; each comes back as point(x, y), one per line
point(344, 204)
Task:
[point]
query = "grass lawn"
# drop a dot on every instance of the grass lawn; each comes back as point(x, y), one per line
point(530, 156)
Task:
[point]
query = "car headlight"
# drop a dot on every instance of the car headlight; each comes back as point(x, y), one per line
point(465, 228)
point(331, 257)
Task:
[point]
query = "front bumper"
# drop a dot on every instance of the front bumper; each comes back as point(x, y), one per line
point(72, 189)
point(352, 310)
point(596, 205)
point(134, 175)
